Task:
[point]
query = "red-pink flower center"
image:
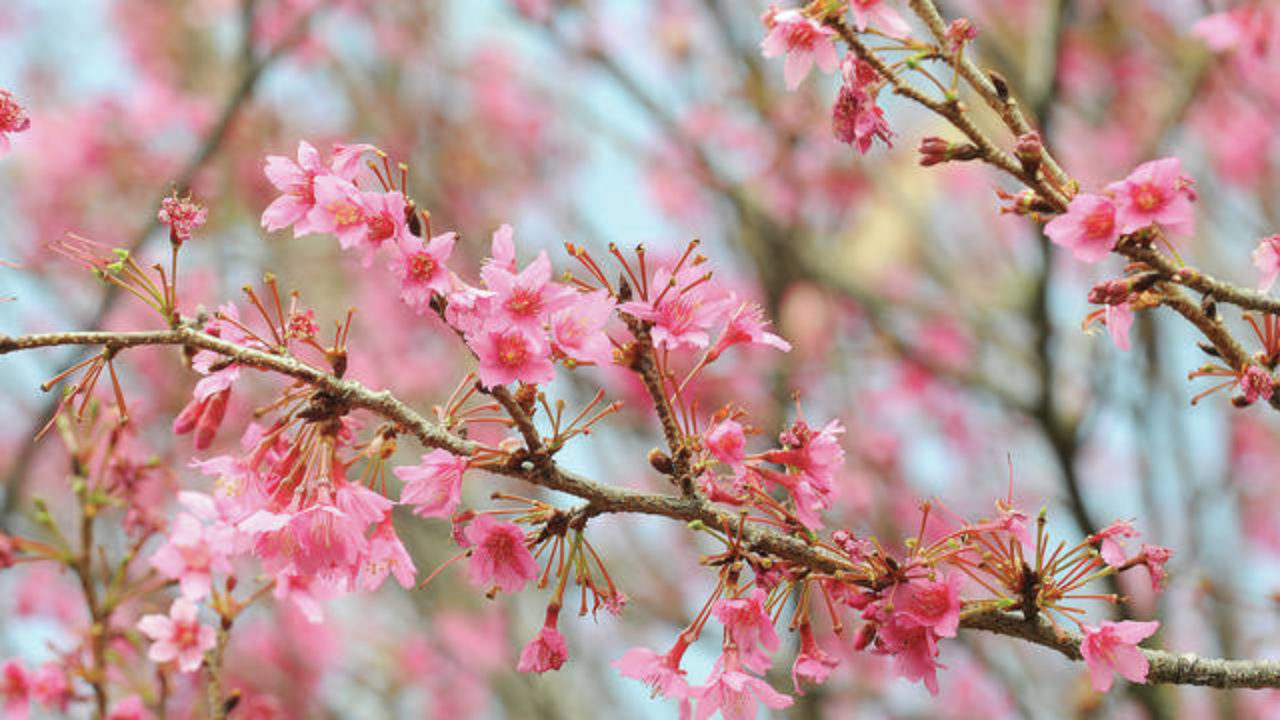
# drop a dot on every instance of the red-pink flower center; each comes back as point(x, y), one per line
point(512, 350)
point(421, 266)
point(12, 117)
point(345, 213)
point(381, 226)
point(1100, 223)
point(185, 634)
point(523, 301)
point(800, 35)
point(932, 601)
point(1147, 197)
point(500, 546)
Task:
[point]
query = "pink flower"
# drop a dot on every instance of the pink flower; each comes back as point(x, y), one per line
point(1118, 319)
point(748, 625)
point(812, 664)
point(297, 182)
point(746, 326)
point(182, 215)
point(129, 708)
point(339, 210)
point(546, 651)
point(308, 593)
point(499, 555)
point(802, 39)
point(208, 406)
point(434, 486)
point(384, 220)
point(1256, 384)
point(933, 604)
point(525, 300)
point(50, 687)
point(878, 13)
point(190, 556)
point(179, 635)
point(1155, 193)
point(914, 649)
point(421, 269)
point(512, 354)
point(578, 332)
point(662, 673)
point(1112, 550)
point(1266, 257)
point(855, 117)
point(736, 694)
point(15, 685)
point(386, 555)
point(1155, 557)
point(1113, 648)
point(1087, 228)
point(727, 442)
point(13, 119)
point(682, 308)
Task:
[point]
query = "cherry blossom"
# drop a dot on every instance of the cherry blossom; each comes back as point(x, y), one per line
point(1155, 193)
point(178, 636)
point(434, 486)
point(1112, 648)
point(499, 556)
point(802, 39)
point(1088, 229)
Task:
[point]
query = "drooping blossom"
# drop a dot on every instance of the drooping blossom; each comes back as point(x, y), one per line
point(662, 673)
point(1088, 228)
point(182, 215)
point(812, 664)
point(546, 651)
point(386, 555)
point(748, 626)
point(13, 119)
point(802, 39)
point(421, 269)
point(434, 486)
point(879, 14)
point(934, 604)
point(914, 649)
point(513, 354)
point(308, 593)
point(1266, 257)
point(15, 689)
point(1113, 648)
point(736, 694)
point(1155, 193)
point(856, 119)
point(191, 556)
point(499, 555)
point(577, 331)
point(178, 636)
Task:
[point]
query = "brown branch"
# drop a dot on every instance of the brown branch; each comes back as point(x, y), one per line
point(1165, 667)
point(603, 499)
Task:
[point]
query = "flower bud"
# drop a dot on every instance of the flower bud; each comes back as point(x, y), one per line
point(935, 150)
